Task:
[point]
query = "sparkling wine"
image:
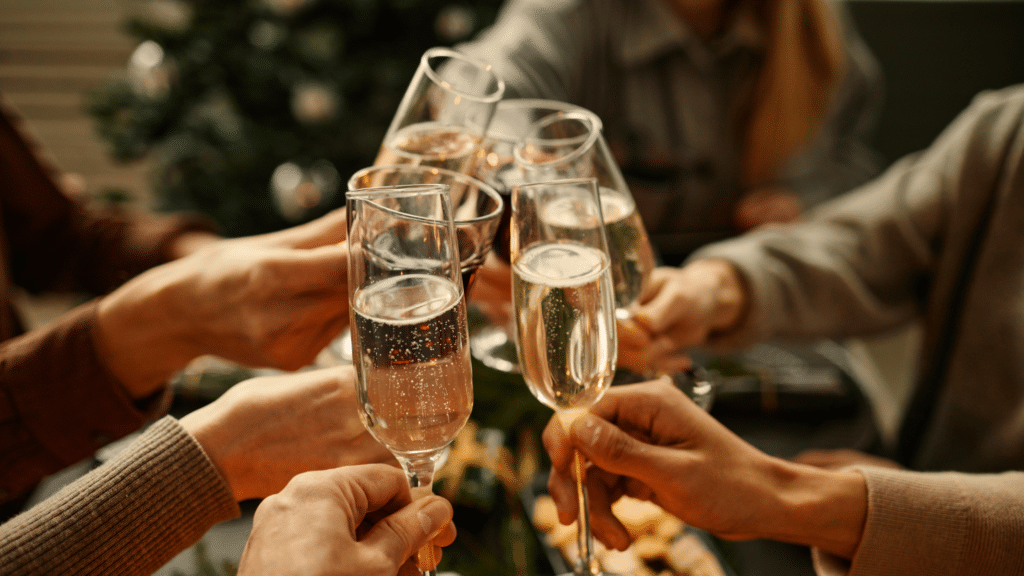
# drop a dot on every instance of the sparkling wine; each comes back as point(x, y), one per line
point(630, 249)
point(430, 144)
point(565, 316)
point(628, 245)
point(412, 358)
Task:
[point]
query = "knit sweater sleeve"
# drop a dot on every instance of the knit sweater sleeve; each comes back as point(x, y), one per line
point(127, 517)
point(59, 402)
point(939, 524)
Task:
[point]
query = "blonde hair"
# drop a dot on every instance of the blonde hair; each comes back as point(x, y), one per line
point(804, 63)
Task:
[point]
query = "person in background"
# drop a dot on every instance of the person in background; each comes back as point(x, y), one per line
point(936, 240)
point(162, 492)
point(172, 291)
point(650, 441)
point(724, 114)
point(348, 521)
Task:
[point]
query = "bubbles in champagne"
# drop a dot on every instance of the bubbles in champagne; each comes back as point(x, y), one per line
point(565, 321)
point(630, 249)
point(412, 357)
point(431, 144)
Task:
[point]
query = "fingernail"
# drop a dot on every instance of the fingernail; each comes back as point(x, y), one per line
point(587, 430)
point(433, 516)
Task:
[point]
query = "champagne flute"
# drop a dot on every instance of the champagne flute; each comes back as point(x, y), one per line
point(444, 113)
point(477, 207)
point(564, 310)
point(477, 210)
point(409, 329)
point(492, 343)
point(569, 144)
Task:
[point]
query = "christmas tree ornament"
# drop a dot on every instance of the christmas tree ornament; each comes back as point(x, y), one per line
point(455, 23)
point(298, 191)
point(314, 102)
point(150, 71)
point(267, 35)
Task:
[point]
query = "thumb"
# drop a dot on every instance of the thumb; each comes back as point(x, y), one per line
point(657, 314)
point(401, 534)
point(615, 451)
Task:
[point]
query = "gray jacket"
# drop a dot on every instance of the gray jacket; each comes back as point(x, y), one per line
point(664, 97)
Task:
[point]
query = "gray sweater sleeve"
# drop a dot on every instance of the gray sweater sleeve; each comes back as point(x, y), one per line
point(127, 517)
point(939, 524)
point(865, 262)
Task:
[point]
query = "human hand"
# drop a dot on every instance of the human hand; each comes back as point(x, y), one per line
point(345, 521)
point(649, 441)
point(264, 431)
point(272, 300)
point(767, 205)
point(682, 307)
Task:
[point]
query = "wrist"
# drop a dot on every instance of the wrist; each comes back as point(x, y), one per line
point(727, 294)
point(139, 336)
point(816, 507)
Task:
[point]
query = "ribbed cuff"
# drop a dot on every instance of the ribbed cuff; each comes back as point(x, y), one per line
point(127, 517)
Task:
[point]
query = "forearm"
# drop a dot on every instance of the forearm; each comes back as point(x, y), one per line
point(132, 514)
point(59, 402)
point(941, 524)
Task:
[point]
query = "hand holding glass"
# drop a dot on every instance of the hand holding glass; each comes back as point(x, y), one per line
point(409, 332)
point(564, 308)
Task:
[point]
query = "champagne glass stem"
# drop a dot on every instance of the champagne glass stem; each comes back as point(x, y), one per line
point(586, 564)
point(420, 472)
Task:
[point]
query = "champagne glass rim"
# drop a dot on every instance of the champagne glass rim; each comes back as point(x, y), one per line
point(582, 115)
point(592, 185)
point(561, 182)
point(486, 188)
point(401, 191)
point(557, 107)
point(516, 104)
point(442, 52)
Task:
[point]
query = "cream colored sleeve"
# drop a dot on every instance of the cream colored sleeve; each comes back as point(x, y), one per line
point(937, 524)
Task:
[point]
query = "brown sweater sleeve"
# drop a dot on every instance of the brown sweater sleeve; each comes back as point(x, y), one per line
point(59, 402)
point(937, 524)
point(128, 517)
point(56, 243)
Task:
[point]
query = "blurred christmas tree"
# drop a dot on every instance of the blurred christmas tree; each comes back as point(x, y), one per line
point(255, 112)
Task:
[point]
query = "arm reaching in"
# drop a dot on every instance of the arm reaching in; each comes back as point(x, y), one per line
point(272, 300)
point(166, 489)
point(681, 309)
point(264, 431)
point(345, 521)
point(650, 441)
